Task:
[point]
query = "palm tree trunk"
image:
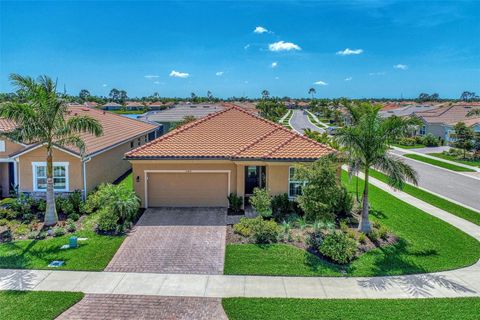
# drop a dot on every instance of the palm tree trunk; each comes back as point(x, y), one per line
point(364, 225)
point(51, 216)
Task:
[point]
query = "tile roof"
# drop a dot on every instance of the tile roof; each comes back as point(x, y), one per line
point(233, 134)
point(179, 112)
point(449, 115)
point(116, 129)
point(6, 125)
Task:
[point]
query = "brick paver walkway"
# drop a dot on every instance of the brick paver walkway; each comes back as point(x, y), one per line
point(119, 307)
point(174, 240)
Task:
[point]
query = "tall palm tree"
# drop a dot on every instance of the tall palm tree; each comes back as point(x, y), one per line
point(367, 142)
point(312, 91)
point(44, 119)
point(265, 94)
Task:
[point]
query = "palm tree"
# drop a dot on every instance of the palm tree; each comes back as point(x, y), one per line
point(367, 142)
point(474, 112)
point(44, 119)
point(312, 91)
point(265, 94)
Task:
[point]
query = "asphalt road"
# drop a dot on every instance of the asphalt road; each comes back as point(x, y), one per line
point(452, 185)
point(448, 184)
point(299, 122)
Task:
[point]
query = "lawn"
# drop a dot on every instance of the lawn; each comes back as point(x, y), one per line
point(475, 163)
point(26, 305)
point(313, 121)
point(434, 200)
point(415, 146)
point(91, 255)
point(426, 244)
point(384, 309)
point(438, 163)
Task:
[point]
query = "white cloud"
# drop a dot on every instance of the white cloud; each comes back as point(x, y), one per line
point(151, 76)
point(177, 74)
point(276, 78)
point(260, 30)
point(274, 64)
point(246, 46)
point(348, 78)
point(283, 46)
point(104, 85)
point(219, 73)
point(348, 52)
point(320, 83)
point(400, 66)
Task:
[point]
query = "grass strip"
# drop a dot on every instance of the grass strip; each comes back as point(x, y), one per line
point(438, 163)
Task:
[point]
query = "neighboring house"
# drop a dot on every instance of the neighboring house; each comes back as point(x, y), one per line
point(24, 165)
point(133, 106)
point(404, 111)
point(158, 105)
point(176, 114)
point(202, 162)
point(440, 122)
point(112, 106)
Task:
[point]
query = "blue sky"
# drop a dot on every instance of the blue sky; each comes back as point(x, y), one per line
point(395, 48)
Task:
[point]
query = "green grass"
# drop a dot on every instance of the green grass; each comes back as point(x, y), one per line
point(127, 181)
point(91, 255)
point(383, 309)
point(475, 163)
point(415, 146)
point(426, 244)
point(438, 163)
point(434, 200)
point(313, 121)
point(34, 305)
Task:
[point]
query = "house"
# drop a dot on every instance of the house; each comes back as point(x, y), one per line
point(24, 165)
point(232, 150)
point(440, 121)
point(134, 106)
point(158, 105)
point(405, 111)
point(176, 114)
point(111, 106)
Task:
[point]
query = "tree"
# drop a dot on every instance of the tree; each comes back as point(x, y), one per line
point(464, 137)
point(367, 142)
point(122, 96)
point(474, 112)
point(423, 97)
point(272, 110)
point(44, 119)
point(312, 91)
point(434, 96)
point(468, 96)
point(186, 119)
point(114, 94)
point(265, 94)
point(317, 136)
point(84, 94)
point(209, 95)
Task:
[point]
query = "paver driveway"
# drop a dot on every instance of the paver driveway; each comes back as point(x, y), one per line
point(174, 240)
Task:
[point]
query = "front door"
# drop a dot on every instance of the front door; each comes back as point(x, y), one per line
point(255, 177)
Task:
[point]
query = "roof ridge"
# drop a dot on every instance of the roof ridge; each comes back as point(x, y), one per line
point(178, 130)
point(251, 144)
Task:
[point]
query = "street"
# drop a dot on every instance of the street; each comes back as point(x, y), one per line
point(300, 122)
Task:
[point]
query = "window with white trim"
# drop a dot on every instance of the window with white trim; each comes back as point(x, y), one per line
point(294, 186)
point(60, 176)
point(2, 145)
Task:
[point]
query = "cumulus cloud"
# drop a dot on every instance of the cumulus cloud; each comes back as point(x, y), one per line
point(104, 85)
point(246, 46)
point(283, 46)
point(348, 52)
point(260, 29)
point(219, 73)
point(348, 78)
point(320, 83)
point(400, 66)
point(177, 74)
point(151, 76)
point(274, 64)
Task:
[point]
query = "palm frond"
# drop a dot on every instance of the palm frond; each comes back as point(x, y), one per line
point(82, 124)
point(72, 140)
point(396, 170)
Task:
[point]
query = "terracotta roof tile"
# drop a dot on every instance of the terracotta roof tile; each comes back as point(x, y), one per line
point(232, 133)
point(6, 125)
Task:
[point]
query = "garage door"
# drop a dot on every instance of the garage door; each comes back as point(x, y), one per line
point(187, 189)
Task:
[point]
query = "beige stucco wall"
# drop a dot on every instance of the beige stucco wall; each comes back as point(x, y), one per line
point(277, 174)
point(25, 168)
point(10, 147)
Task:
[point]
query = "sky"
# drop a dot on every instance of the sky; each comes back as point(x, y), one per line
point(355, 49)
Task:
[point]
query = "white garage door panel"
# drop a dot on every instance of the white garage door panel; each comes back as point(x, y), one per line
point(199, 189)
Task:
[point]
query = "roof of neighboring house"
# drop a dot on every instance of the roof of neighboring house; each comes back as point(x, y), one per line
point(232, 134)
point(469, 121)
point(448, 115)
point(401, 111)
point(116, 129)
point(6, 125)
point(134, 104)
point(112, 104)
point(179, 112)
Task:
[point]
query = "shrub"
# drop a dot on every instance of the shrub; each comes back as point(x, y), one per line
point(107, 220)
point(430, 140)
point(22, 230)
point(74, 216)
point(344, 203)
point(338, 247)
point(265, 231)
point(261, 202)
point(42, 235)
point(71, 227)
point(281, 206)
point(235, 202)
point(383, 232)
point(418, 139)
point(244, 227)
point(362, 238)
point(58, 232)
point(407, 141)
point(3, 222)
point(7, 213)
point(373, 235)
point(314, 239)
point(33, 235)
point(343, 226)
point(75, 199)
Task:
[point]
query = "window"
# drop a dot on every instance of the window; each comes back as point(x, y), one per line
point(60, 176)
point(2, 146)
point(131, 144)
point(294, 186)
point(422, 130)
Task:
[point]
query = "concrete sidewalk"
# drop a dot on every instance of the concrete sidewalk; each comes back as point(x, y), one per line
point(456, 283)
